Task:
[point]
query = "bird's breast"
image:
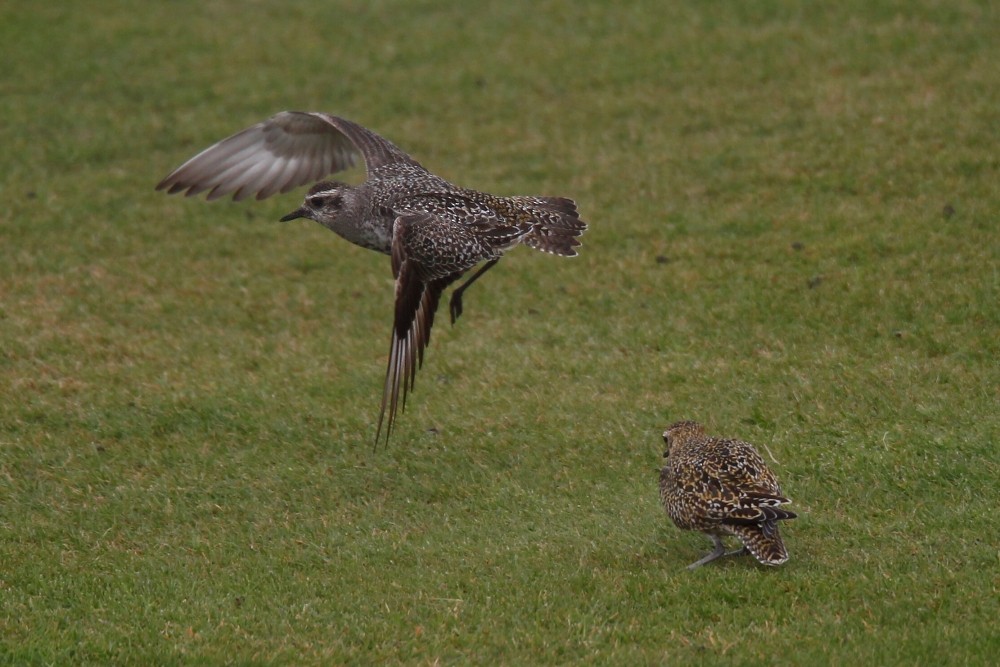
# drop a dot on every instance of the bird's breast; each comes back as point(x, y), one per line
point(371, 231)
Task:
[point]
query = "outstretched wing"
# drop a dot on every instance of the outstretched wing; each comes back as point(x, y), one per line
point(289, 149)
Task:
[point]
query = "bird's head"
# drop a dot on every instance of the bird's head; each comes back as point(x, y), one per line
point(326, 203)
point(680, 432)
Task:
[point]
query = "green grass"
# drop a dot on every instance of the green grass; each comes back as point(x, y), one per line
point(794, 239)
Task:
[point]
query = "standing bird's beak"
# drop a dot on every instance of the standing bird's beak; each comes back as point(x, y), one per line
point(297, 213)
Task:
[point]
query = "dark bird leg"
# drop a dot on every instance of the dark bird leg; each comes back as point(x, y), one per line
point(719, 551)
point(455, 305)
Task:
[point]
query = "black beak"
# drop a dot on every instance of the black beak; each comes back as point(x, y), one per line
point(294, 215)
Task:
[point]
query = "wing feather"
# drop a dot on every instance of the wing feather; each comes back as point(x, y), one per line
point(418, 293)
point(290, 149)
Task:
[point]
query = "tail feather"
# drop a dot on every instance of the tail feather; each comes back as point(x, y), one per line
point(755, 522)
point(562, 205)
point(550, 243)
point(754, 515)
point(556, 224)
point(764, 542)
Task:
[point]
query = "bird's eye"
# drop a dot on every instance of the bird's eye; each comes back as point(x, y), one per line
point(330, 202)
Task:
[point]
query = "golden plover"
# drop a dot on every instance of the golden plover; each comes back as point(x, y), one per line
point(722, 487)
point(433, 230)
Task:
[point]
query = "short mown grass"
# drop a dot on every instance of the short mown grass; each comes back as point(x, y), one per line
point(794, 239)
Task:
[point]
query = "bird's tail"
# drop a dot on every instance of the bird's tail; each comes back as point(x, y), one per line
point(755, 522)
point(764, 542)
point(556, 225)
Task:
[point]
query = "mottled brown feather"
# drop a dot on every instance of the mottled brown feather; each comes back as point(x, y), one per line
point(723, 487)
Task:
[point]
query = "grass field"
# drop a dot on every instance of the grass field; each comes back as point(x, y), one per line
point(794, 239)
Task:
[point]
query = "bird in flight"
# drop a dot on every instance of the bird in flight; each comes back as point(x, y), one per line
point(722, 487)
point(433, 231)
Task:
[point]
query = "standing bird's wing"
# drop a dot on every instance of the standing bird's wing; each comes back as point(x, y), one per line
point(289, 149)
point(742, 471)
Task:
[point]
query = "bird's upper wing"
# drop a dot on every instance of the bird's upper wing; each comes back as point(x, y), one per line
point(741, 470)
point(289, 149)
point(743, 488)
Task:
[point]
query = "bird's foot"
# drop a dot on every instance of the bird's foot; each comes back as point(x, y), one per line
point(717, 552)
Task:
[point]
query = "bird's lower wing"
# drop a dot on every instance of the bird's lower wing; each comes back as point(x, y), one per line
point(416, 304)
point(417, 300)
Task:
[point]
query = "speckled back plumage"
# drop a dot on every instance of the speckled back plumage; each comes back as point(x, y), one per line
point(548, 224)
point(723, 487)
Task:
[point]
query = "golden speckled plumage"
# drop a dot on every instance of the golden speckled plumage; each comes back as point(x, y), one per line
point(722, 487)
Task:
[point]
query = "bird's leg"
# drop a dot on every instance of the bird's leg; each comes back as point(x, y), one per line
point(718, 551)
point(738, 552)
point(455, 305)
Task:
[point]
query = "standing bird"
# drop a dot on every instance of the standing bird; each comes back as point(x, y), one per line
point(433, 230)
point(722, 487)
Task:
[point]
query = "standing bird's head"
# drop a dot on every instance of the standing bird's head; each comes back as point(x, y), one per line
point(678, 433)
